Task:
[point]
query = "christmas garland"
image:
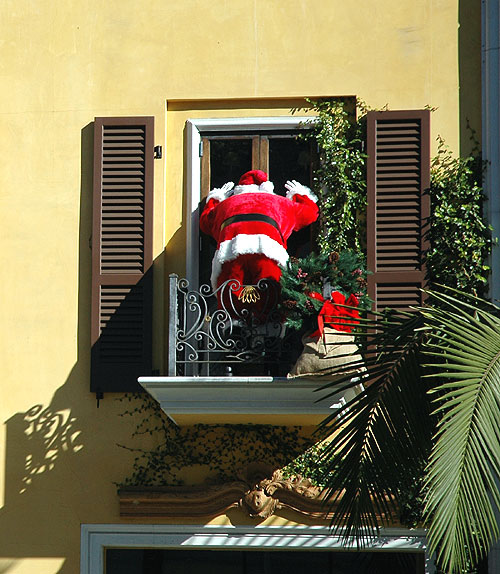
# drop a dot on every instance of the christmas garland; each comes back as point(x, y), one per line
point(306, 283)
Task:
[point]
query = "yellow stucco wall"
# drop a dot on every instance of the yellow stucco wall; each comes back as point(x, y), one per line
point(64, 62)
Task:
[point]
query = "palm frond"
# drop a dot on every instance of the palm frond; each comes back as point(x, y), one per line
point(381, 437)
point(464, 464)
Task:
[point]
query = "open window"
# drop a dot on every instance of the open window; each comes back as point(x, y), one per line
point(221, 150)
point(283, 155)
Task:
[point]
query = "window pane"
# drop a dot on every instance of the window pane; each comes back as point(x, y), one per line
point(289, 158)
point(157, 561)
point(280, 562)
point(124, 561)
point(229, 160)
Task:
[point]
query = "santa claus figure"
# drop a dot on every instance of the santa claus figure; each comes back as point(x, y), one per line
point(251, 225)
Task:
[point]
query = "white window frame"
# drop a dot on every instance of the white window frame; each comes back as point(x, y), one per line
point(96, 538)
point(194, 130)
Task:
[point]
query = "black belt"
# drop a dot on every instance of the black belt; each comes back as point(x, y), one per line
point(252, 217)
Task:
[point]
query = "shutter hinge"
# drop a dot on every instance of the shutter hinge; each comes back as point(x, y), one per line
point(201, 149)
point(158, 152)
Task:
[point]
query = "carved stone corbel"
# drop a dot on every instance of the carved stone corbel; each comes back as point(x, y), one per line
point(266, 486)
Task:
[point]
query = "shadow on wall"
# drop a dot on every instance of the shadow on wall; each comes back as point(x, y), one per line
point(469, 65)
point(62, 459)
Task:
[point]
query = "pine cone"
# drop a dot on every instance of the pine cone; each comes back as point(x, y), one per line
point(361, 281)
point(333, 257)
point(309, 306)
point(290, 303)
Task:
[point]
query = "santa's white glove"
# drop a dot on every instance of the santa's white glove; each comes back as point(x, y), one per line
point(295, 188)
point(221, 193)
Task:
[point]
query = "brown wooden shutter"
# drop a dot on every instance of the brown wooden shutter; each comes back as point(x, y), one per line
point(398, 173)
point(121, 328)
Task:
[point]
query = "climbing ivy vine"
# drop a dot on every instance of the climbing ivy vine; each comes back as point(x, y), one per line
point(223, 449)
point(459, 237)
point(339, 179)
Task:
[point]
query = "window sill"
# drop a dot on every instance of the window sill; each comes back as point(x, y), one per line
point(257, 400)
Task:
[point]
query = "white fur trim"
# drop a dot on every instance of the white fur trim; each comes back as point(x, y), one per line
point(264, 187)
point(303, 190)
point(244, 244)
point(218, 194)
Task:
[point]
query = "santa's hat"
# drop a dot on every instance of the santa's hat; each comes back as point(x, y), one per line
point(254, 181)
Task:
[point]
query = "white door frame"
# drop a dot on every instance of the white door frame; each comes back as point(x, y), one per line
point(96, 538)
point(194, 130)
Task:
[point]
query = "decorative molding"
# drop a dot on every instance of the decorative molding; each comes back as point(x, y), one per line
point(260, 492)
point(266, 495)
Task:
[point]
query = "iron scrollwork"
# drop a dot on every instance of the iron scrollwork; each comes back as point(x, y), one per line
point(217, 330)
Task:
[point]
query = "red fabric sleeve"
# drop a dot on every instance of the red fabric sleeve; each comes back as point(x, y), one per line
point(306, 211)
point(208, 216)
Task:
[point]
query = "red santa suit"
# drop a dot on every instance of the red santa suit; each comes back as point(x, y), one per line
point(251, 225)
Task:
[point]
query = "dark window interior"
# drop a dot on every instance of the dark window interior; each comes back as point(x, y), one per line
point(147, 561)
point(289, 158)
point(229, 160)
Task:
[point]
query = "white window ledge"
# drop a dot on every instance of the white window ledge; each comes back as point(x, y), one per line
point(259, 400)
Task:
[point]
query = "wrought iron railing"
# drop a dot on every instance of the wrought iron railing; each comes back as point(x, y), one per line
point(234, 330)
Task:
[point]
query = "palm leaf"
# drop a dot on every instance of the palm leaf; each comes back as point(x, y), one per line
point(464, 464)
point(381, 438)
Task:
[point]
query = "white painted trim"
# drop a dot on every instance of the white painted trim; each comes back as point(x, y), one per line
point(194, 128)
point(95, 538)
point(193, 194)
point(241, 395)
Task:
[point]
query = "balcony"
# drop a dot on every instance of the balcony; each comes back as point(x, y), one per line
point(233, 331)
point(229, 356)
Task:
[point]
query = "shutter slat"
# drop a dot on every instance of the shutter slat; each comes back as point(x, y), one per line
point(398, 170)
point(122, 253)
point(117, 190)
